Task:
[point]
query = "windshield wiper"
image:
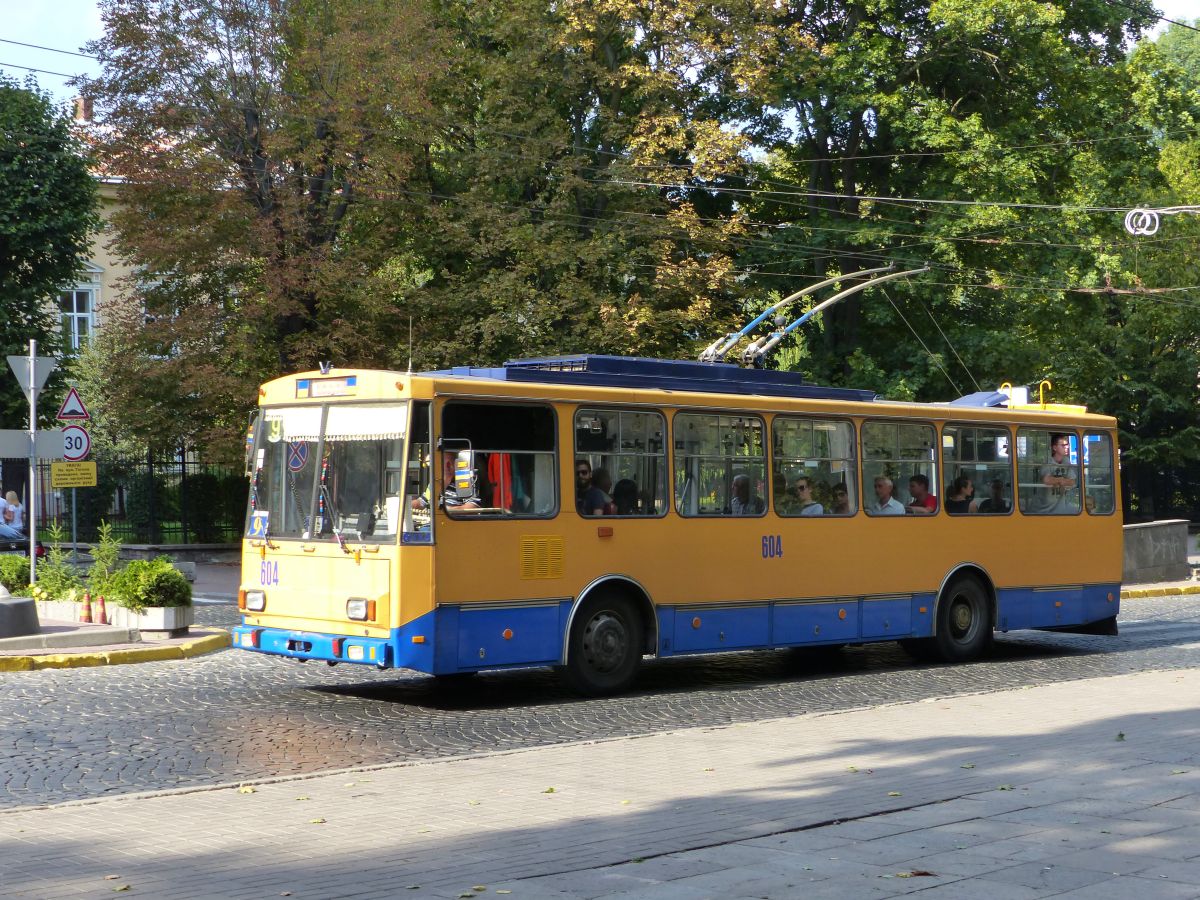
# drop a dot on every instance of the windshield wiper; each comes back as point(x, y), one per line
point(331, 512)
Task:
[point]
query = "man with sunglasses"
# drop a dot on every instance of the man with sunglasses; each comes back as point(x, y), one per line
point(583, 483)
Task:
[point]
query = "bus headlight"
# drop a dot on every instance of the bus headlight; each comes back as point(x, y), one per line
point(356, 608)
point(256, 601)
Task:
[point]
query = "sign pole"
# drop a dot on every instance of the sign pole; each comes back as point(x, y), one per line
point(74, 532)
point(32, 509)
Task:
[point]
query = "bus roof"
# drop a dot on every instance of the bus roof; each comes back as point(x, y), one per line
point(639, 373)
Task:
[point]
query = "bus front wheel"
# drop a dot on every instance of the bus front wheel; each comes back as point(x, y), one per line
point(964, 621)
point(605, 645)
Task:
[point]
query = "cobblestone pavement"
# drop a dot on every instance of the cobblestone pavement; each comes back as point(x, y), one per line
point(69, 734)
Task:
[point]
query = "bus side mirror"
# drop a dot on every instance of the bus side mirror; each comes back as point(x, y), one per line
point(464, 475)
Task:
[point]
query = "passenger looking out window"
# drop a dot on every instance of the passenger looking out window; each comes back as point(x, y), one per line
point(885, 504)
point(1048, 467)
point(923, 503)
point(841, 500)
point(598, 501)
point(996, 501)
point(962, 494)
point(744, 502)
point(620, 462)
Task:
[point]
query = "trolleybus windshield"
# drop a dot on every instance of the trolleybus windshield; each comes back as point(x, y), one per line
point(333, 472)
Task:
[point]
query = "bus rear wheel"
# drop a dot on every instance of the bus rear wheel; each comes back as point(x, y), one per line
point(964, 621)
point(604, 648)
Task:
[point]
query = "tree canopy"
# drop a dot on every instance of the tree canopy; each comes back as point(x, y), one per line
point(47, 216)
point(305, 178)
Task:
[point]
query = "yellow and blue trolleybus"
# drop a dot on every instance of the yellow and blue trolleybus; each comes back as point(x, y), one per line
point(586, 512)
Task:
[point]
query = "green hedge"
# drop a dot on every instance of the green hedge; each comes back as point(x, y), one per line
point(14, 573)
point(150, 582)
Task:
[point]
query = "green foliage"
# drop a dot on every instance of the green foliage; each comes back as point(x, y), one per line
point(106, 551)
point(150, 582)
point(14, 573)
point(47, 214)
point(57, 579)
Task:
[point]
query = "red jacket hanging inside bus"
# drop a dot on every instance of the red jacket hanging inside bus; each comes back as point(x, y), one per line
point(499, 469)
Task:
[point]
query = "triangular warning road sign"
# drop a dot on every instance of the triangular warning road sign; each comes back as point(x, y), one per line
point(72, 407)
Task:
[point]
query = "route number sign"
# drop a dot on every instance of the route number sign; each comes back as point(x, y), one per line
point(77, 443)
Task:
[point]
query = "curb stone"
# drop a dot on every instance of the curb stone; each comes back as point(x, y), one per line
point(207, 643)
point(1136, 593)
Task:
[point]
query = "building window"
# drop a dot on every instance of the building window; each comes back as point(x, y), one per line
point(76, 308)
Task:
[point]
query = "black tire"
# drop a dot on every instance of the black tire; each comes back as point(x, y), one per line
point(964, 621)
point(604, 648)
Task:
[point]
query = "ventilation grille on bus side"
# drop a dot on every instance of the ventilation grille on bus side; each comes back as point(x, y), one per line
point(541, 556)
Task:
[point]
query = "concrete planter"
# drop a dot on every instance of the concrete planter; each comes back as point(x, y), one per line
point(154, 623)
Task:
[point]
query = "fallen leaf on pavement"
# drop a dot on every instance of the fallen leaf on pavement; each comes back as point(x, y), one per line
point(1004, 787)
point(967, 766)
point(1120, 735)
point(548, 790)
point(916, 873)
point(316, 821)
point(895, 794)
point(247, 789)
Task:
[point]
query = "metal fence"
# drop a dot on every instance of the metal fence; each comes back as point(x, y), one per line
point(173, 498)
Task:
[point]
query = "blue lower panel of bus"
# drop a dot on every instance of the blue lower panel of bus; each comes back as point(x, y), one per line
point(1056, 607)
point(706, 629)
point(462, 639)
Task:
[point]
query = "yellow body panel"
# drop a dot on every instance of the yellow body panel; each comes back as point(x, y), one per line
point(307, 585)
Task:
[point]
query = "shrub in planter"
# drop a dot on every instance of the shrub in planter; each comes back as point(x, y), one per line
point(14, 573)
point(150, 582)
point(56, 577)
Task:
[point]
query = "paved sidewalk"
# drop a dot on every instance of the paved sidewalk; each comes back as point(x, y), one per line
point(1081, 789)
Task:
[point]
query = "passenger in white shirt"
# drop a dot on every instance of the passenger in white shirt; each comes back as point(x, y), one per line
point(885, 504)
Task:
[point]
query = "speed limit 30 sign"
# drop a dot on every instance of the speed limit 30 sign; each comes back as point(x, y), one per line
point(77, 443)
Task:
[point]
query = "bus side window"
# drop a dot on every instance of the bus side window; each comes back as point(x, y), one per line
point(1100, 497)
point(817, 454)
point(627, 455)
point(720, 465)
point(514, 447)
point(1048, 477)
point(981, 456)
point(895, 451)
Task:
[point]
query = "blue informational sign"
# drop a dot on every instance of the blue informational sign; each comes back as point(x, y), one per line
point(258, 523)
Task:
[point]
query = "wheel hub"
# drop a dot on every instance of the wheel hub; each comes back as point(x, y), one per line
point(961, 618)
point(604, 642)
